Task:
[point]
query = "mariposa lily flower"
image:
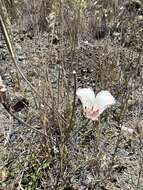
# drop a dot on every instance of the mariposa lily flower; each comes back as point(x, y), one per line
point(93, 105)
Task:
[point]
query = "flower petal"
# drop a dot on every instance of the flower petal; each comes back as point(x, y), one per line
point(86, 96)
point(103, 100)
point(94, 106)
point(92, 114)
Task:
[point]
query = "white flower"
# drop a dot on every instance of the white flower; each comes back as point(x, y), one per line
point(93, 105)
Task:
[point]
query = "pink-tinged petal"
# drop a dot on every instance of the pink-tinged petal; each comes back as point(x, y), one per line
point(92, 114)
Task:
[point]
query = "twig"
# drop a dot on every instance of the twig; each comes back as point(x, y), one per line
point(122, 113)
point(141, 156)
point(21, 121)
point(74, 98)
point(9, 131)
point(10, 48)
point(69, 129)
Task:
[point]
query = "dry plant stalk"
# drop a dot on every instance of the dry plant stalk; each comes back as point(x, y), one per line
point(122, 115)
point(9, 44)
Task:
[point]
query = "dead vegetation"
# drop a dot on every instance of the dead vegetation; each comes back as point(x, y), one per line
point(47, 50)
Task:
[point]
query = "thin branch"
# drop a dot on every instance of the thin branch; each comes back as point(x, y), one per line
point(21, 121)
point(69, 129)
point(10, 48)
point(122, 113)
